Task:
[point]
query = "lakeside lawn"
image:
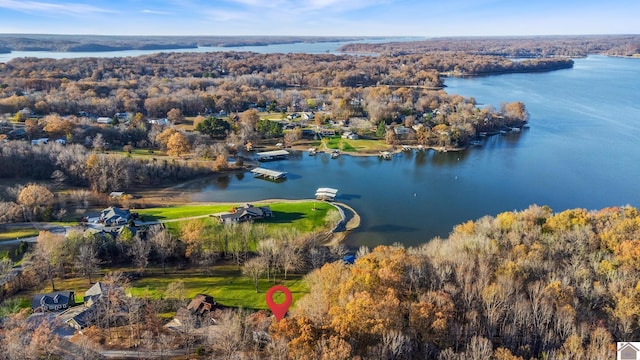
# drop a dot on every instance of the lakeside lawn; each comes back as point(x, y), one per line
point(305, 216)
point(358, 145)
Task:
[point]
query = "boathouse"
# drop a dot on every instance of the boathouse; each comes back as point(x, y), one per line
point(327, 194)
point(272, 155)
point(268, 173)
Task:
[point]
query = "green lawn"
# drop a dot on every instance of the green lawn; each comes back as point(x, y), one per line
point(177, 212)
point(18, 233)
point(363, 145)
point(225, 283)
point(303, 216)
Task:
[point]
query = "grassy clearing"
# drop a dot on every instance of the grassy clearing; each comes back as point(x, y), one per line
point(18, 233)
point(348, 145)
point(225, 283)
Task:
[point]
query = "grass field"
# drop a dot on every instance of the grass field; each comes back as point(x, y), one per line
point(225, 283)
point(18, 233)
point(304, 216)
point(359, 145)
point(177, 212)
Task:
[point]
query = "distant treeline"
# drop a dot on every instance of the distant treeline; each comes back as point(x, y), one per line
point(515, 47)
point(223, 81)
point(91, 43)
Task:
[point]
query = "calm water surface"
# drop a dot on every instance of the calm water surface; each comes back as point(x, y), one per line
point(582, 150)
point(308, 48)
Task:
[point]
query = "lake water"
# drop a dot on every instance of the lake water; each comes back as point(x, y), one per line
point(309, 48)
point(582, 150)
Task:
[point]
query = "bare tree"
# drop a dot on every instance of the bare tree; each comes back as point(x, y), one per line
point(139, 251)
point(231, 336)
point(87, 260)
point(163, 244)
point(254, 268)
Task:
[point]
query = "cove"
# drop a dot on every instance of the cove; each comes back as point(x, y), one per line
point(581, 151)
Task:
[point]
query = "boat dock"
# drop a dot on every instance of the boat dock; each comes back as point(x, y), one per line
point(272, 155)
point(327, 194)
point(269, 174)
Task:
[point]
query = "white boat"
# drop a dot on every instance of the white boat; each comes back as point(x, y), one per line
point(335, 154)
point(385, 155)
point(312, 151)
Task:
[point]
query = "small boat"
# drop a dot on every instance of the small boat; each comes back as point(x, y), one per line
point(312, 151)
point(475, 142)
point(335, 154)
point(483, 134)
point(385, 155)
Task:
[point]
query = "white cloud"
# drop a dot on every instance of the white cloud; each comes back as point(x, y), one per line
point(45, 7)
point(227, 15)
point(155, 12)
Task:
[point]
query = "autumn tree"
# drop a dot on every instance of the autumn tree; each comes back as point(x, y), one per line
point(175, 116)
point(163, 137)
point(250, 118)
point(37, 201)
point(48, 255)
point(178, 144)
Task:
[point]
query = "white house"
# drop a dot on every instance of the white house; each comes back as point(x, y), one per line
point(104, 120)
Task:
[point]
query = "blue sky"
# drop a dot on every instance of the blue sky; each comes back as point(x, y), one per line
point(321, 17)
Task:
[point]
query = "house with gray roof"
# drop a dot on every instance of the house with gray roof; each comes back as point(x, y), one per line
point(113, 216)
point(246, 212)
point(53, 301)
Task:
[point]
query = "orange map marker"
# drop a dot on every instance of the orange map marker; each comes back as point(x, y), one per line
point(279, 310)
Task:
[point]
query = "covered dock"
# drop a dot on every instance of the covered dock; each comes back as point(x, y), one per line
point(268, 173)
point(327, 194)
point(272, 155)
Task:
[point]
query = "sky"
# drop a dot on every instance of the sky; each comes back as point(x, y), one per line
point(321, 17)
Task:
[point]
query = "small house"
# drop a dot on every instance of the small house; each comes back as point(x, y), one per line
point(113, 216)
point(401, 130)
point(54, 301)
point(246, 212)
point(350, 135)
point(40, 141)
point(201, 303)
point(104, 120)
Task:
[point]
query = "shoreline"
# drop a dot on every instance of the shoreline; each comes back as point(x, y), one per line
point(393, 150)
point(171, 196)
